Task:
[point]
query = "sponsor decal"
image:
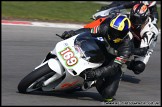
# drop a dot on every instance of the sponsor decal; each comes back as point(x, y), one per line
point(120, 60)
point(68, 84)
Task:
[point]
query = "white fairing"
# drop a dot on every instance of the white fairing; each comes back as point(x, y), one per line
point(56, 66)
point(102, 13)
point(70, 58)
point(110, 11)
point(68, 63)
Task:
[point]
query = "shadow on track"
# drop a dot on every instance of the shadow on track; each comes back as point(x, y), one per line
point(131, 79)
point(81, 95)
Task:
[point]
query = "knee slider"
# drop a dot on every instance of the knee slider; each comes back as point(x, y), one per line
point(111, 88)
point(110, 92)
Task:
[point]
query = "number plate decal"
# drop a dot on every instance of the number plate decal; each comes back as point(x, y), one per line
point(69, 56)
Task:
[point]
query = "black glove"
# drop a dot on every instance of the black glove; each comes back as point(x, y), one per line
point(68, 34)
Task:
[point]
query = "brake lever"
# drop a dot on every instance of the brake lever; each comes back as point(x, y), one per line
point(59, 36)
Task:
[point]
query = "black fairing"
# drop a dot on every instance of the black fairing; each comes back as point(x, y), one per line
point(91, 50)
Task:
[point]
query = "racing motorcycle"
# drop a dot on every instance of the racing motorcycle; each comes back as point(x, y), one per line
point(109, 12)
point(73, 56)
point(118, 9)
point(103, 13)
point(62, 72)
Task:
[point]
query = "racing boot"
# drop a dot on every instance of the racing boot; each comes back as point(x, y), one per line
point(111, 99)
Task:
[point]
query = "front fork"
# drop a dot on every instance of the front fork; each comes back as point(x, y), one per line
point(52, 62)
point(49, 55)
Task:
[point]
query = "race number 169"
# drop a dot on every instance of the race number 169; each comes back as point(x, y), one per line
point(68, 55)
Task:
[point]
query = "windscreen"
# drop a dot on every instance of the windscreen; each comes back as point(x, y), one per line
point(90, 50)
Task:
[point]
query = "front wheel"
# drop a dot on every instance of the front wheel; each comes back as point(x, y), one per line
point(35, 79)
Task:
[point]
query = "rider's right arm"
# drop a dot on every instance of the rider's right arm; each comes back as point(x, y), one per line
point(68, 34)
point(87, 30)
point(82, 30)
point(102, 29)
point(97, 31)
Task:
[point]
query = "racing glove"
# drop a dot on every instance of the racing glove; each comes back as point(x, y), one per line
point(68, 34)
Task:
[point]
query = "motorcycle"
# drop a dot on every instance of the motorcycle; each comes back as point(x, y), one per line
point(62, 73)
point(109, 12)
point(73, 56)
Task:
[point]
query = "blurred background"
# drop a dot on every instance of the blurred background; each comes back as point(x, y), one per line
point(54, 11)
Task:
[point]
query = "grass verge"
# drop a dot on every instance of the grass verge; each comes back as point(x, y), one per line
point(52, 11)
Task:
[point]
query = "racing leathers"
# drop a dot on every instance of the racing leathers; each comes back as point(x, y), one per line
point(145, 39)
point(109, 74)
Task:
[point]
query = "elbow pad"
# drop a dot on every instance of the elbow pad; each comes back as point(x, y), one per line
point(103, 29)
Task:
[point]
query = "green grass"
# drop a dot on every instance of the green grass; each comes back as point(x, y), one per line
point(159, 12)
point(52, 11)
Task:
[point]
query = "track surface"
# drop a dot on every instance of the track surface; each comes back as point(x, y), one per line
point(23, 48)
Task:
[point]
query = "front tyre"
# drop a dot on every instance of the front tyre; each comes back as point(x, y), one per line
point(35, 79)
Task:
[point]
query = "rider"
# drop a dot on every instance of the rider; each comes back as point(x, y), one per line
point(145, 34)
point(117, 49)
point(129, 4)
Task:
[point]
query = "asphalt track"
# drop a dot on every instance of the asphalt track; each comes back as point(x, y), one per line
point(23, 48)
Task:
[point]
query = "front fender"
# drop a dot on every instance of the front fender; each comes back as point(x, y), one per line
point(56, 66)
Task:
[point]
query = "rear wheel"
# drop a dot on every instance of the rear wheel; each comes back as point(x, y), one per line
point(35, 79)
